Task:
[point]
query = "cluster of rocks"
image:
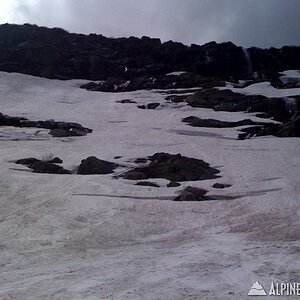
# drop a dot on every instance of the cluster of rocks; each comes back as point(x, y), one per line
point(88, 166)
point(57, 129)
point(44, 166)
point(162, 165)
point(226, 100)
point(55, 53)
point(146, 82)
point(193, 194)
point(174, 168)
point(290, 128)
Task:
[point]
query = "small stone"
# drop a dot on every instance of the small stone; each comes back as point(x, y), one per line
point(173, 184)
point(221, 185)
point(147, 183)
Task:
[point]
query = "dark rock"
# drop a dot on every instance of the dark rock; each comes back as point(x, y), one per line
point(55, 53)
point(58, 132)
point(141, 160)
point(226, 100)
point(126, 101)
point(135, 175)
point(57, 129)
point(40, 166)
point(175, 168)
point(61, 132)
point(192, 194)
point(117, 157)
point(290, 128)
point(152, 105)
point(173, 184)
point(147, 183)
point(146, 82)
point(46, 167)
point(149, 106)
point(93, 165)
point(176, 98)
point(209, 98)
point(56, 160)
point(221, 185)
point(179, 92)
point(26, 161)
point(197, 122)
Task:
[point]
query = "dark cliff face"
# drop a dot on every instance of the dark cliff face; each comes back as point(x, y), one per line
point(55, 53)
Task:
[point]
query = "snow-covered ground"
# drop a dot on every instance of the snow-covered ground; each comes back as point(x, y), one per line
point(96, 237)
point(264, 88)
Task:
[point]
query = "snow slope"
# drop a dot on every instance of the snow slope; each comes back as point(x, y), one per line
point(95, 237)
point(264, 89)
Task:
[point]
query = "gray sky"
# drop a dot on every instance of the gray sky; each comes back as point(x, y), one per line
point(262, 23)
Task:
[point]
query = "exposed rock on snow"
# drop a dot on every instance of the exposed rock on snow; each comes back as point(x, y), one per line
point(124, 101)
point(147, 183)
point(40, 166)
point(176, 98)
point(93, 165)
point(197, 122)
point(135, 175)
point(227, 100)
point(31, 160)
point(173, 184)
point(57, 129)
point(221, 185)
point(192, 194)
point(153, 105)
point(174, 168)
point(184, 80)
point(291, 128)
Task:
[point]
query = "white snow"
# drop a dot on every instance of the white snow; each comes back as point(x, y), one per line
point(95, 237)
point(290, 76)
point(263, 88)
point(176, 73)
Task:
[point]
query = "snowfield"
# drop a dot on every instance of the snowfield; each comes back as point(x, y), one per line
point(96, 237)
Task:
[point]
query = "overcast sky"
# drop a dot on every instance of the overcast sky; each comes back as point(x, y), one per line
point(262, 23)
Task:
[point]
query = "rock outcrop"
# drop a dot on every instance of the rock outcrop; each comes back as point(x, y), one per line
point(174, 168)
point(55, 53)
point(197, 122)
point(192, 194)
point(57, 129)
point(93, 165)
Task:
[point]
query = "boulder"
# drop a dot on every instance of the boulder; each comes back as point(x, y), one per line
point(176, 98)
point(209, 98)
point(93, 165)
point(27, 161)
point(174, 168)
point(173, 184)
point(221, 185)
point(192, 194)
point(56, 160)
